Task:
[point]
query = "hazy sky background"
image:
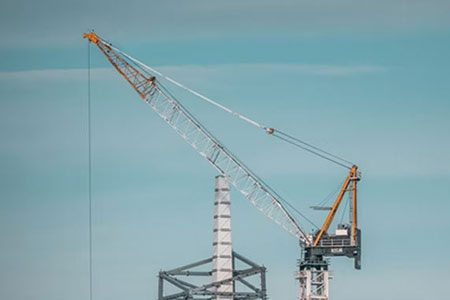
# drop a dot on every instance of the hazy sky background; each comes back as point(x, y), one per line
point(368, 80)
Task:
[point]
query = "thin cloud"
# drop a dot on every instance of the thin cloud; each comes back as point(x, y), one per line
point(333, 70)
point(107, 73)
point(53, 74)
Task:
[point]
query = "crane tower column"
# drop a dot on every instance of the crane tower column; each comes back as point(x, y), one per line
point(223, 251)
point(314, 277)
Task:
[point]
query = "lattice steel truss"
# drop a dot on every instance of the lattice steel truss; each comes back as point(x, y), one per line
point(178, 117)
point(208, 291)
point(314, 284)
point(212, 150)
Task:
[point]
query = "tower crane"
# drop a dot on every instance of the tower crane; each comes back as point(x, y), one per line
point(313, 266)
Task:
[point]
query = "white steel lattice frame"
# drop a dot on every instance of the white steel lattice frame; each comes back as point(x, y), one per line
point(314, 284)
point(222, 245)
point(208, 147)
point(171, 111)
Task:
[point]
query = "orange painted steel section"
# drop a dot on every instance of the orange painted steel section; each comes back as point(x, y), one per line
point(108, 52)
point(92, 37)
point(329, 220)
point(355, 211)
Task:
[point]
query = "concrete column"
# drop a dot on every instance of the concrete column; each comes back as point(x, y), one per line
point(222, 257)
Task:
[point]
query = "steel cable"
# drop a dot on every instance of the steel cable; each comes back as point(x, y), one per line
point(314, 147)
point(286, 137)
point(89, 168)
point(311, 151)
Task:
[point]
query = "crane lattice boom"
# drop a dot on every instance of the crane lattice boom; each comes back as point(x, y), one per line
point(171, 111)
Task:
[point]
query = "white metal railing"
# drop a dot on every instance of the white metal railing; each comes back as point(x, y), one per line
point(330, 242)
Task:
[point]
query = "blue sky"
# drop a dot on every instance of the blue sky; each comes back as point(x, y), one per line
point(367, 80)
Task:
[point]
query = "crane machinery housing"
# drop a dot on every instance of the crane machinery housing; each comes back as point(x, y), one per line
point(316, 246)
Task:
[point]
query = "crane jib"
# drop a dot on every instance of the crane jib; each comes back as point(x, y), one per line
point(182, 121)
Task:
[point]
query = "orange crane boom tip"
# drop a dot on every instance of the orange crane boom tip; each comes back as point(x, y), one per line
point(91, 36)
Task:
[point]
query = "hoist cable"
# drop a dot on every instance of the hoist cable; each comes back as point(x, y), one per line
point(288, 138)
point(314, 147)
point(89, 166)
point(311, 151)
point(301, 214)
point(187, 88)
point(331, 194)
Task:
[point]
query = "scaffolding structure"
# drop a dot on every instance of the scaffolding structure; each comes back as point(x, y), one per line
point(240, 280)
